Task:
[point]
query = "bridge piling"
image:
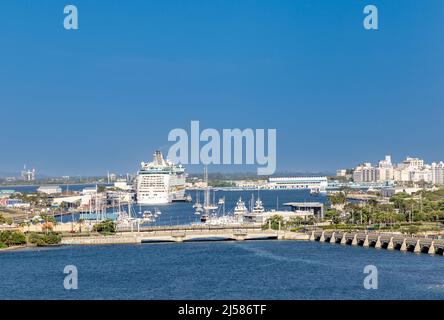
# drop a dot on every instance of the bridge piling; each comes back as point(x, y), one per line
point(404, 245)
point(312, 236)
point(391, 245)
point(344, 238)
point(417, 247)
point(355, 240)
point(366, 242)
point(432, 248)
point(333, 238)
point(378, 244)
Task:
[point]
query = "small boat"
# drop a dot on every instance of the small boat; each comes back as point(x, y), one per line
point(197, 206)
point(222, 220)
point(147, 214)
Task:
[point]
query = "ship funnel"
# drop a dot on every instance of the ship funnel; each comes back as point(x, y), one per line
point(158, 157)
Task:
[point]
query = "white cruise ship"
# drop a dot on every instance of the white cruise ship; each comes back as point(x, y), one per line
point(160, 181)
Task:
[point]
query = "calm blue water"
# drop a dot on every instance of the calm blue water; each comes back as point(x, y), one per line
point(220, 270)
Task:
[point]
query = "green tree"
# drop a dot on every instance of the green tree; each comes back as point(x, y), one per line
point(105, 227)
point(274, 222)
point(333, 215)
point(339, 198)
point(294, 222)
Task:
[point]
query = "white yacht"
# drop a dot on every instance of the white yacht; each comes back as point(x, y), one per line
point(222, 220)
point(160, 181)
point(258, 207)
point(240, 209)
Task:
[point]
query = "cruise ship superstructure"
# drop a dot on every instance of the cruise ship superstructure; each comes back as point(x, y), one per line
point(160, 181)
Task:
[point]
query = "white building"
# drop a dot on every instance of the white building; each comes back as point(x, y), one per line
point(437, 173)
point(311, 183)
point(421, 174)
point(49, 189)
point(386, 172)
point(28, 175)
point(341, 172)
point(412, 170)
point(409, 170)
point(122, 184)
point(366, 173)
point(251, 184)
point(413, 162)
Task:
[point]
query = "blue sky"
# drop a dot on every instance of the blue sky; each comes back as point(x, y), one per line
point(105, 96)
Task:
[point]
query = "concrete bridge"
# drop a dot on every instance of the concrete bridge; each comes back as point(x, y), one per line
point(388, 241)
point(176, 234)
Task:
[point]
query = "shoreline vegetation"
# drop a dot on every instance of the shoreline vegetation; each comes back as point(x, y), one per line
point(11, 240)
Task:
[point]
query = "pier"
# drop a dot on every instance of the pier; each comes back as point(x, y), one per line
point(387, 241)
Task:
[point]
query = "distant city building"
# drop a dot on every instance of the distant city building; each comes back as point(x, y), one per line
point(311, 183)
point(386, 172)
point(410, 170)
point(413, 162)
point(112, 177)
point(341, 173)
point(366, 173)
point(437, 172)
point(28, 175)
point(122, 184)
point(251, 184)
point(49, 189)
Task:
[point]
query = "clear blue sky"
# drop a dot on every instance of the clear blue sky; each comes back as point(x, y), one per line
point(105, 96)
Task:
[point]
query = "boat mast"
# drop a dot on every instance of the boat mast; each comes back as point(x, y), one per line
point(207, 190)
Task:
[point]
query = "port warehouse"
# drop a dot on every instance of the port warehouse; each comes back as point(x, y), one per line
point(319, 183)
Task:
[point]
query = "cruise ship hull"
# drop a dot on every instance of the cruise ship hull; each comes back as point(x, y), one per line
point(164, 199)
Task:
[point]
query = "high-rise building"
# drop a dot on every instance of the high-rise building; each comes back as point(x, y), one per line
point(341, 172)
point(28, 175)
point(366, 173)
point(386, 172)
point(437, 172)
point(413, 162)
